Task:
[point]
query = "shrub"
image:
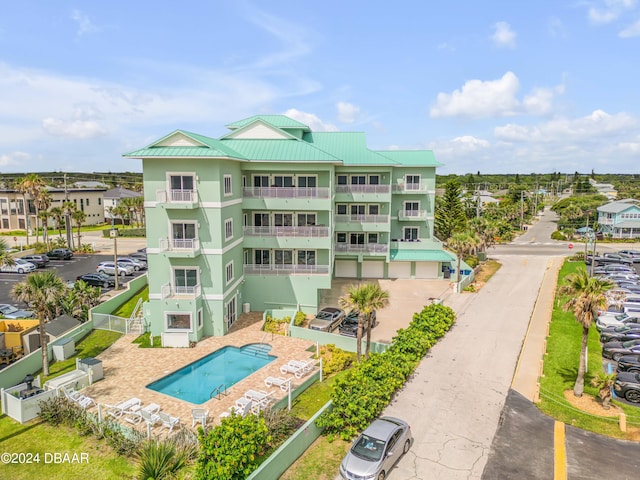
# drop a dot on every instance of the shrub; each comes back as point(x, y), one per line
point(365, 390)
point(39, 247)
point(335, 359)
point(472, 261)
point(275, 325)
point(281, 423)
point(299, 319)
point(159, 460)
point(229, 451)
point(558, 235)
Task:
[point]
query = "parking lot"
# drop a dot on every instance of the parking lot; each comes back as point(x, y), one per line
point(68, 270)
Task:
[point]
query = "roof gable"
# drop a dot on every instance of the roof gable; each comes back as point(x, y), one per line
point(278, 121)
point(179, 139)
point(259, 130)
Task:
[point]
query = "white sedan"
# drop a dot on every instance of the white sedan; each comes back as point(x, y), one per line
point(19, 266)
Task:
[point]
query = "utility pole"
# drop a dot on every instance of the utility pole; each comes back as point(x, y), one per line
point(67, 217)
point(521, 209)
point(114, 234)
point(477, 202)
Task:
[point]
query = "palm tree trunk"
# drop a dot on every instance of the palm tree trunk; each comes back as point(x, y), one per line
point(359, 338)
point(578, 388)
point(43, 347)
point(368, 344)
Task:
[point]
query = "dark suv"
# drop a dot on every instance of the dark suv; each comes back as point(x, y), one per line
point(38, 260)
point(60, 254)
point(627, 386)
point(629, 363)
point(349, 327)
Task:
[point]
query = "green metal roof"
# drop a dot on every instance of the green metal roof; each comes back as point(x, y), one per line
point(292, 150)
point(349, 147)
point(279, 121)
point(420, 256)
point(210, 147)
point(412, 158)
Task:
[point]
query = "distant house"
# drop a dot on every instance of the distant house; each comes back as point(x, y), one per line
point(620, 219)
point(112, 199)
point(605, 189)
point(90, 185)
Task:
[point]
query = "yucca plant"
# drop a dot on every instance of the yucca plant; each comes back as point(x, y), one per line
point(159, 460)
point(604, 382)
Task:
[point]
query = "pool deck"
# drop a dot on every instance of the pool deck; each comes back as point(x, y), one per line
point(128, 368)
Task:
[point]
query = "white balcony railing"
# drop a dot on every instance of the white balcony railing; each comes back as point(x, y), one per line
point(309, 232)
point(363, 188)
point(173, 291)
point(362, 218)
point(179, 244)
point(411, 188)
point(177, 196)
point(269, 269)
point(413, 215)
point(362, 247)
point(285, 192)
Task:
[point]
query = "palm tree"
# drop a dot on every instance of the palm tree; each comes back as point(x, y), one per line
point(78, 300)
point(42, 202)
point(463, 244)
point(57, 213)
point(486, 231)
point(79, 217)
point(68, 208)
point(41, 290)
point(44, 216)
point(366, 299)
point(5, 258)
point(587, 295)
point(31, 185)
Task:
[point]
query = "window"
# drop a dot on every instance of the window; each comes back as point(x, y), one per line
point(356, 238)
point(99, 201)
point(306, 219)
point(4, 209)
point(178, 321)
point(199, 319)
point(374, 209)
point(372, 238)
point(227, 186)
point(412, 182)
point(374, 179)
point(411, 206)
point(5, 223)
point(341, 237)
point(262, 257)
point(261, 180)
point(244, 181)
point(306, 257)
point(183, 231)
point(245, 220)
point(261, 219)
point(229, 271)
point(185, 280)
point(341, 179)
point(228, 228)
point(283, 180)
point(341, 209)
point(231, 312)
point(358, 179)
point(181, 182)
point(307, 181)
point(87, 202)
point(357, 209)
point(283, 257)
point(246, 257)
point(283, 219)
point(410, 234)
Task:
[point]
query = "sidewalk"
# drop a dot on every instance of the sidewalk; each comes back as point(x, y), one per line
point(529, 366)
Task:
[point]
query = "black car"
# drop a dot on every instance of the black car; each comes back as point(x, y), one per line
point(616, 350)
point(621, 334)
point(349, 326)
point(629, 363)
point(627, 386)
point(60, 254)
point(97, 279)
point(38, 260)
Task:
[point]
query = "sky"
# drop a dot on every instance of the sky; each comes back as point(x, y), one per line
point(493, 86)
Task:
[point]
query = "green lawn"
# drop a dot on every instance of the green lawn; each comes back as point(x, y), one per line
point(40, 438)
point(127, 309)
point(561, 368)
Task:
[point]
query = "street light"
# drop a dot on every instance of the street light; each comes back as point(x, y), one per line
point(113, 233)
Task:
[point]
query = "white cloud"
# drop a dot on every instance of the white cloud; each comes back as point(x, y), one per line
point(14, 158)
point(556, 27)
point(611, 10)
point(347, 112)
point(73, 128)
point(503, 35)
point(311, 120)
point(84, 23)
point(632, 30)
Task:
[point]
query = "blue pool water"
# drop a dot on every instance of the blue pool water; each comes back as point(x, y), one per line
point(195, 382)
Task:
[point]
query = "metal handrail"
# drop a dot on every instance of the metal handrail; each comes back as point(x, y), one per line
point(219, 391)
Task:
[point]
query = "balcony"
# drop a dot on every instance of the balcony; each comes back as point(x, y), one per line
point(285, 192)
point(363, 188)
point(421, 188)
point(312, 231)
point(362, 218)
point(180, 292)
point(178, 198)
point(368, 248)
point(180, 247)
point(284, 270)
point(416, 215)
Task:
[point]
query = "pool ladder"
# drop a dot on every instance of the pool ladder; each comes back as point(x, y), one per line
point(219, 391)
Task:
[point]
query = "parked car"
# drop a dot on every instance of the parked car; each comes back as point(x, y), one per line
point(621, 333)
point(137, 264)
point(374, 453)
point(19, 266)
point(142, 256)
point(616, 350)
point(619, 267)
point(632, 254)
point(327, 319)
point(629, 363)
point(613, 321)
point(97, 279)
point(38, 260)
point(9, 311)
point(349, 326)
point(627, 385)
point(110, 269)
point(60, 254)
point(618, 258)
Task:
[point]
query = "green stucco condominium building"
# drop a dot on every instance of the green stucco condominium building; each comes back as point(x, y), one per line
point(267, 215)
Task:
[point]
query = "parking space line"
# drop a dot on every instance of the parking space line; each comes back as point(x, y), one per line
point(560, 452)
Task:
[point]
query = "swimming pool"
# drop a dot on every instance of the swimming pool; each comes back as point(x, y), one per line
point(227, 366)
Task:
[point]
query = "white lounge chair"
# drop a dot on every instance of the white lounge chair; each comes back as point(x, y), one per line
point(78, 398)
point(242, 410)
point(149, 417)
point(127, 406)
point(136, 414)
point(298, 368)
point(281, 382)
point(199, 415)
point(168, 421)
point(260, 398)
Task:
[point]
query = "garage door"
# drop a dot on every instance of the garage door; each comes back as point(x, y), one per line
point(346, 268)
point(427, 269)
point(399, 269)
point(372, 269)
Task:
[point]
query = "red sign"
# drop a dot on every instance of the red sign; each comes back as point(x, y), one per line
point(570, 246)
